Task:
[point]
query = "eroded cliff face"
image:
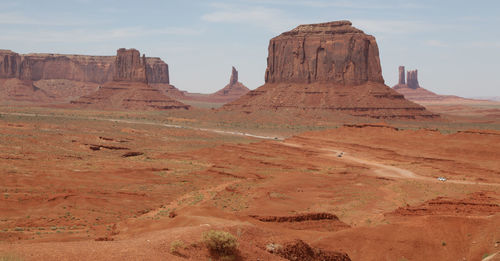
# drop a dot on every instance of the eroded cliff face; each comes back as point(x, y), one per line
point(326, 69)
point(9, 64)
point(129, 89)
point(82, 68)
point(130, 66)
point(334, 52)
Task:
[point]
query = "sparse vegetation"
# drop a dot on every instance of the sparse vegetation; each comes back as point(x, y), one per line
point(220, 243)
point(10, 257)
point(175, 246)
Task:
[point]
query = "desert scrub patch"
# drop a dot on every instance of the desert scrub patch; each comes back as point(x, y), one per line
point(175, 246)
point(9, 257)
point(230, 200)
point(221, 244)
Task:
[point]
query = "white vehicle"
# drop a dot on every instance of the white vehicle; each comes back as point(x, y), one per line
point(442, 179)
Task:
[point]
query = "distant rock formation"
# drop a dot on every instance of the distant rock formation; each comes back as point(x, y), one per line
point(130, 66)
point(412, 90)
point(401, 75)
point(334, 52)
point(84, 68)
point(232, 91)
point(412, 79)
point(76, 75)
point(129, 89)
point(327, 67)
point(234, 77)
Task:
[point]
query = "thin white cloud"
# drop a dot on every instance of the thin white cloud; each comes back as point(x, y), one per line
point(394, 26)
point(92, 36)
point(483, 44)
point(436, 43)
point(339, 4)
point(274, 20)
point(16, 18)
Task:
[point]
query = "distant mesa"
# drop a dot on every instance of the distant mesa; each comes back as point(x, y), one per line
point(323, 68)
point(129, 89)
point(67, 77)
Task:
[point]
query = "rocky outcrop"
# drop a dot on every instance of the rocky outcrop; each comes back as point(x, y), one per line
point(9, 64)
point(129, 89)
point(401, 75)
point(66, 77)
point(412, 90)
point(234, 77)
point(130, 66)
point(83, 68)
point(231, 91)
point(157, 71)
point(332, 52)
point(325, 69)
point(412, 79)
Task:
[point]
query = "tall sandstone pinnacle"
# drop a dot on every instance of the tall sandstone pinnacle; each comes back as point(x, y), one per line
point(232, 91)
point(401, 75)
point(234, 76)
point(327, 67)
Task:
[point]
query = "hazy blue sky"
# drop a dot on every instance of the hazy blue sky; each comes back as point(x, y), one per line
point(455, 45)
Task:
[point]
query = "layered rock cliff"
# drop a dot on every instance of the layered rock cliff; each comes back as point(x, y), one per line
point(84, 68)
point(66, 77)
point(129, 88)
point(327, 67)
point(332, 52)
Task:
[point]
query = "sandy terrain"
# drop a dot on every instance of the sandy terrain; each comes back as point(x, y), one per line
point(103, 187)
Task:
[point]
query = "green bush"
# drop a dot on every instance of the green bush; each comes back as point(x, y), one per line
point(221, 243)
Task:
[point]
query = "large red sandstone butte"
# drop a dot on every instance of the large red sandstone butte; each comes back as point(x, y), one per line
point(67, 77)
point(129, 88)
point(327, 67)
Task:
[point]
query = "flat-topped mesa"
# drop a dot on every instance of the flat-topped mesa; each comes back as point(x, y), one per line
point(81, 68)
point(334, 52)
point(130, 66)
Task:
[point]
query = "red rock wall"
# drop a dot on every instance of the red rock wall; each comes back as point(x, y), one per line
point(332, 52)
point(9, 64)
point(412, 79)
point(84, 68)
point(130, 66)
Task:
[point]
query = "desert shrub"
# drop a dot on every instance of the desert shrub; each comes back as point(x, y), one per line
point(221, 243)
point(175, 245)
point(10, 257)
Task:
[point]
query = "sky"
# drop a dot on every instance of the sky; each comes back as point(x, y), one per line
point(455, 45)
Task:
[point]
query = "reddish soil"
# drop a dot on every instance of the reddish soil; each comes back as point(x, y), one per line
point(130, 96)
point(62, 198)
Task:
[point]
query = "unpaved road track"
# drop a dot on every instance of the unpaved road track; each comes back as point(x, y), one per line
point(222, 132)
point(383, 170)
